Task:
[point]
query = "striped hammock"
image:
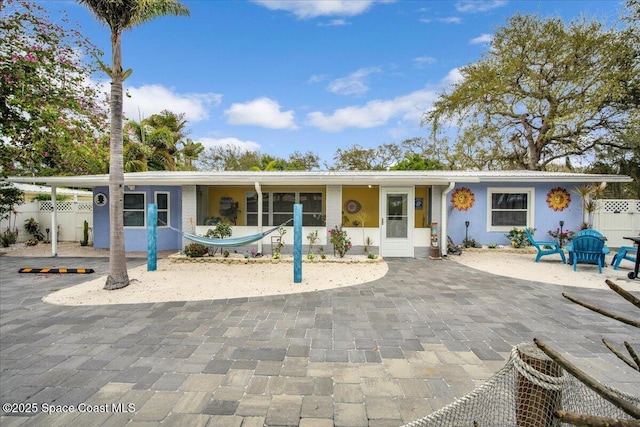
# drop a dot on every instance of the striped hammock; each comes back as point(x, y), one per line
point(234, 241)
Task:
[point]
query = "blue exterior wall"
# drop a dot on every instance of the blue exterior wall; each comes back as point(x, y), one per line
point(136, 237)
point(544, 218)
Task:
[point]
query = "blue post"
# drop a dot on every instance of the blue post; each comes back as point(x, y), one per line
point(152, 237)
point(297, 243)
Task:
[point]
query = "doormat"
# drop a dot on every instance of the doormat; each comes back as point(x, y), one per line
point(56, 270)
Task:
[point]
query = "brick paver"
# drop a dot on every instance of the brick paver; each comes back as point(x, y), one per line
point(378, 354)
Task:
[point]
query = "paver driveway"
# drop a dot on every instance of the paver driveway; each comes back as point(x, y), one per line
point(378, 354)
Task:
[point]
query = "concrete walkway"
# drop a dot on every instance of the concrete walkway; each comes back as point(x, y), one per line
point(377, 354)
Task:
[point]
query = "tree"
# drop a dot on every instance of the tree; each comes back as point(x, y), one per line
point(189, 154)
point(233, 158)
point(120, 15)
point(544, 91)
point(358, 158)
point(611, 160)
point(157, 143)
point(303, 161)
point(228, 158)
point(416, 162)
point(49, 115)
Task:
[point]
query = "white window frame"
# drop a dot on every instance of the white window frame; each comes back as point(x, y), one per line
point(144, 209)
point(167, 210)
point(269, 212)
point(531, 194)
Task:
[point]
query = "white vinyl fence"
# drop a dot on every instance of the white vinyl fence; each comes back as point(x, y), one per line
point(70, 217)
point(617, 219)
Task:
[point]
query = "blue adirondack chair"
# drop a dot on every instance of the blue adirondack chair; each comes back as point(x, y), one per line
point(546, 248)
point(587, 250)
point(624, 252)
point(595, 233)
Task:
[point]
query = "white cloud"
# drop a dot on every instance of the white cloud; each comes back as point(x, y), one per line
point(450, 20)
point(421, 61)
point(481, 39)
point(447, 20)
point(152, 99)
point(262, 112)
point(475, 6)
point(375, 113)
point(229, 142)
point(334, 23)
point(453, 77)
point(354, 83)
point(306, 9)
point(317, 78)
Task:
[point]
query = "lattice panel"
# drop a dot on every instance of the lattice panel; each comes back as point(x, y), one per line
point(47, 206)
point(617, 206)
point(85, 207)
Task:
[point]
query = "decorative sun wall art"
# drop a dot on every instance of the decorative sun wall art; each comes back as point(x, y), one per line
point(558, 199)
point(463, 199)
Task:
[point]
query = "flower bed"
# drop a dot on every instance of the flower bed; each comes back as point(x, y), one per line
point(240, 259)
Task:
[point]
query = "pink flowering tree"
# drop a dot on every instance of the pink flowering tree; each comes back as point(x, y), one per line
point(51, 113)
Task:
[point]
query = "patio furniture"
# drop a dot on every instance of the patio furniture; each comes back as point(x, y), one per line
point(624, 252)
point(634, 274)
point(590, 232)
point(587, 250)
point(594, 233)
point(546, 248)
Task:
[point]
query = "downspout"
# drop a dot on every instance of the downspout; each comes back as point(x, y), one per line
point(443, 227)
point(259, 191)
point(54, 222)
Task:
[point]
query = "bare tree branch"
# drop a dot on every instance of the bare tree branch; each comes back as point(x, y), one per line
point(588, 381)
point(633, 354)
point(620, 355)
point(623, 293)
point(603, 311)
point(581, 420)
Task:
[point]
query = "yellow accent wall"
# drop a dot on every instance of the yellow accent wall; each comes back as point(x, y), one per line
point(369, 199)
point(238, 195)
point(421, 214)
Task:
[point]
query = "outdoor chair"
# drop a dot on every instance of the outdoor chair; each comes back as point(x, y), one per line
point(589, 232)
point(594, 233)
point(624, 252)
point(587, 250)
point(546, 248)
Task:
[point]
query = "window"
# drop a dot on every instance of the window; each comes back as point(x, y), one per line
point(277, 207)
point(134, 210)
point(510, 207)
point(162, 200)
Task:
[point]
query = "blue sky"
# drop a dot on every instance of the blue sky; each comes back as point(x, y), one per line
point(279, 76)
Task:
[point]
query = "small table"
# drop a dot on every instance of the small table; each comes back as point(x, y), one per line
point(634, 274)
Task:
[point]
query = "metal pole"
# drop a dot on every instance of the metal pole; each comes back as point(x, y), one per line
point(152, 237)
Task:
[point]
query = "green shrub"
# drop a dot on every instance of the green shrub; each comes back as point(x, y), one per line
point(518, 237)
point(341, 242)
point(220, 231)
point(195, 250)
point(8, 237)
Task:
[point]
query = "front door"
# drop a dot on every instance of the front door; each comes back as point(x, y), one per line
point(396, 227)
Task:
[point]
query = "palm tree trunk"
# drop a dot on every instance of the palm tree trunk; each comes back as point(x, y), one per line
point(118, 276)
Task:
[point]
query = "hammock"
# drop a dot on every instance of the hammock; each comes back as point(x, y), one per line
point(232, 242)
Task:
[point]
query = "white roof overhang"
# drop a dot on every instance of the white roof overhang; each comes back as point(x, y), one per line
point(380, 178)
